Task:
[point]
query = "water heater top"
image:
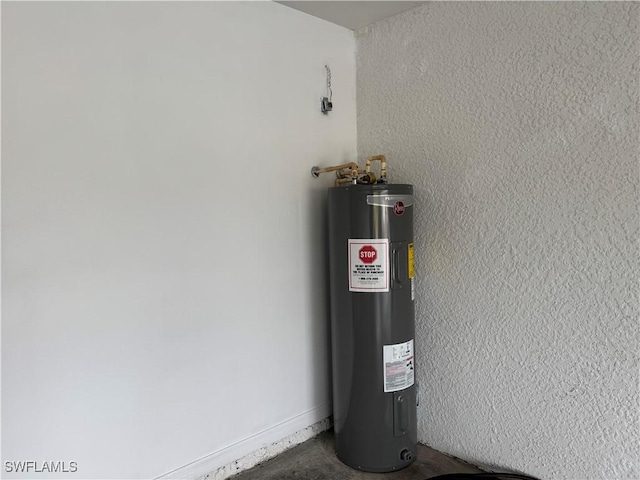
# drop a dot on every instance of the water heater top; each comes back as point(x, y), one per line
point(377, 187)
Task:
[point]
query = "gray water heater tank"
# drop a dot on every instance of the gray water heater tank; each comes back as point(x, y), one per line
point(372, 325)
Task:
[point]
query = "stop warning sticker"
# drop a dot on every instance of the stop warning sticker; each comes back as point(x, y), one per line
point(369, 265)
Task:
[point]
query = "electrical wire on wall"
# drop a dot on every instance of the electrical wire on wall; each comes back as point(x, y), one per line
point(326, 104)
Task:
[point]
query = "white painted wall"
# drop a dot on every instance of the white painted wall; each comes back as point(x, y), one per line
point(163, 289)
point(518, 125)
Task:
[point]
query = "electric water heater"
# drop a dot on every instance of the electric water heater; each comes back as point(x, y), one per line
point(372, 325)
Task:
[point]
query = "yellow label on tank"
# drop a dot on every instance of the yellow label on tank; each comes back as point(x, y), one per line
point(412, 271)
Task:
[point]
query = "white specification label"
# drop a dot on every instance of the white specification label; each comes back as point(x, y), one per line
point(413, 289)
point(369, 265)
point(398, 366)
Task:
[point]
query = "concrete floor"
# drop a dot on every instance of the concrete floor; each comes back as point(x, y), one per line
point(315, 460)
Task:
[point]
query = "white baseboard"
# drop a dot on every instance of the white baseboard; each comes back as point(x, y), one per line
point(256, 448)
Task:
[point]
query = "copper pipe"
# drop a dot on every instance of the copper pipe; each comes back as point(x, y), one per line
point(345, 172)
point(340, 181)
point(350, 173)
point(317, 171)
point(383, 165)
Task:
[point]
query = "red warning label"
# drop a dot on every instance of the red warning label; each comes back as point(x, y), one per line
point(369, 265)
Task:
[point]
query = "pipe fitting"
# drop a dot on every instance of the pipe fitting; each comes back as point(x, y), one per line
point(406, 455)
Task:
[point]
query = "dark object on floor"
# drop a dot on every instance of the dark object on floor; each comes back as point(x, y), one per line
point(315, 459)
point(483, 476)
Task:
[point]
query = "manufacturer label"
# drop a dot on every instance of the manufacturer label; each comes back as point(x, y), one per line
point(369, 265)
point(398, 366)
point(413, 289)
point(410, 262)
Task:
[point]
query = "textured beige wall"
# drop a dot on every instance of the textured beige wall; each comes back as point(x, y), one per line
point(518, 125)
